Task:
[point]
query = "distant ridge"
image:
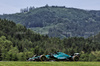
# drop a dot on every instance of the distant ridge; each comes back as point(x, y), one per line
point(58, 21)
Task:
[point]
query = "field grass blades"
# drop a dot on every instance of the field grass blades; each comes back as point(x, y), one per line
point(25, 63)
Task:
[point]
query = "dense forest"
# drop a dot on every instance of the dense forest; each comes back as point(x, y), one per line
point(58, 21)
point(17, 43)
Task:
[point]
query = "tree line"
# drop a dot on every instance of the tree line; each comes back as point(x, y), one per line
point(17, 43)
point(56, 21)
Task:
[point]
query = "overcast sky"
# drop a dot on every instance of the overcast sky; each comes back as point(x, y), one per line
point(13, 6)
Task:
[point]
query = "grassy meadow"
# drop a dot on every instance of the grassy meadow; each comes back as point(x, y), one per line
point(25, 63)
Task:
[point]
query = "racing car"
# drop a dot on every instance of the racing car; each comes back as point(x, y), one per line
point(57, 56)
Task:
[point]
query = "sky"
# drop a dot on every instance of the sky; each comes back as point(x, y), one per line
point(14, 6)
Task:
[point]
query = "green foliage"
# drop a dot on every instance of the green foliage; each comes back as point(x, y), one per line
point(58, 21)
point(93, 56)
point(96, 54)
point(18, 44)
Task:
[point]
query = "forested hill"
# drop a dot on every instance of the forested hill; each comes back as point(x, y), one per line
point(17, 43)
point(58, 21)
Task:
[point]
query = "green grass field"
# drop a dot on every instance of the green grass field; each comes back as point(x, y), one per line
point(20, 63)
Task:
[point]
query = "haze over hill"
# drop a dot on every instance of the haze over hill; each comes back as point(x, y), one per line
point(14, 6)
point(58, 21)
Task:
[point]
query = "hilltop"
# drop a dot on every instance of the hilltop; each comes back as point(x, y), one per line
point(58, 21)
